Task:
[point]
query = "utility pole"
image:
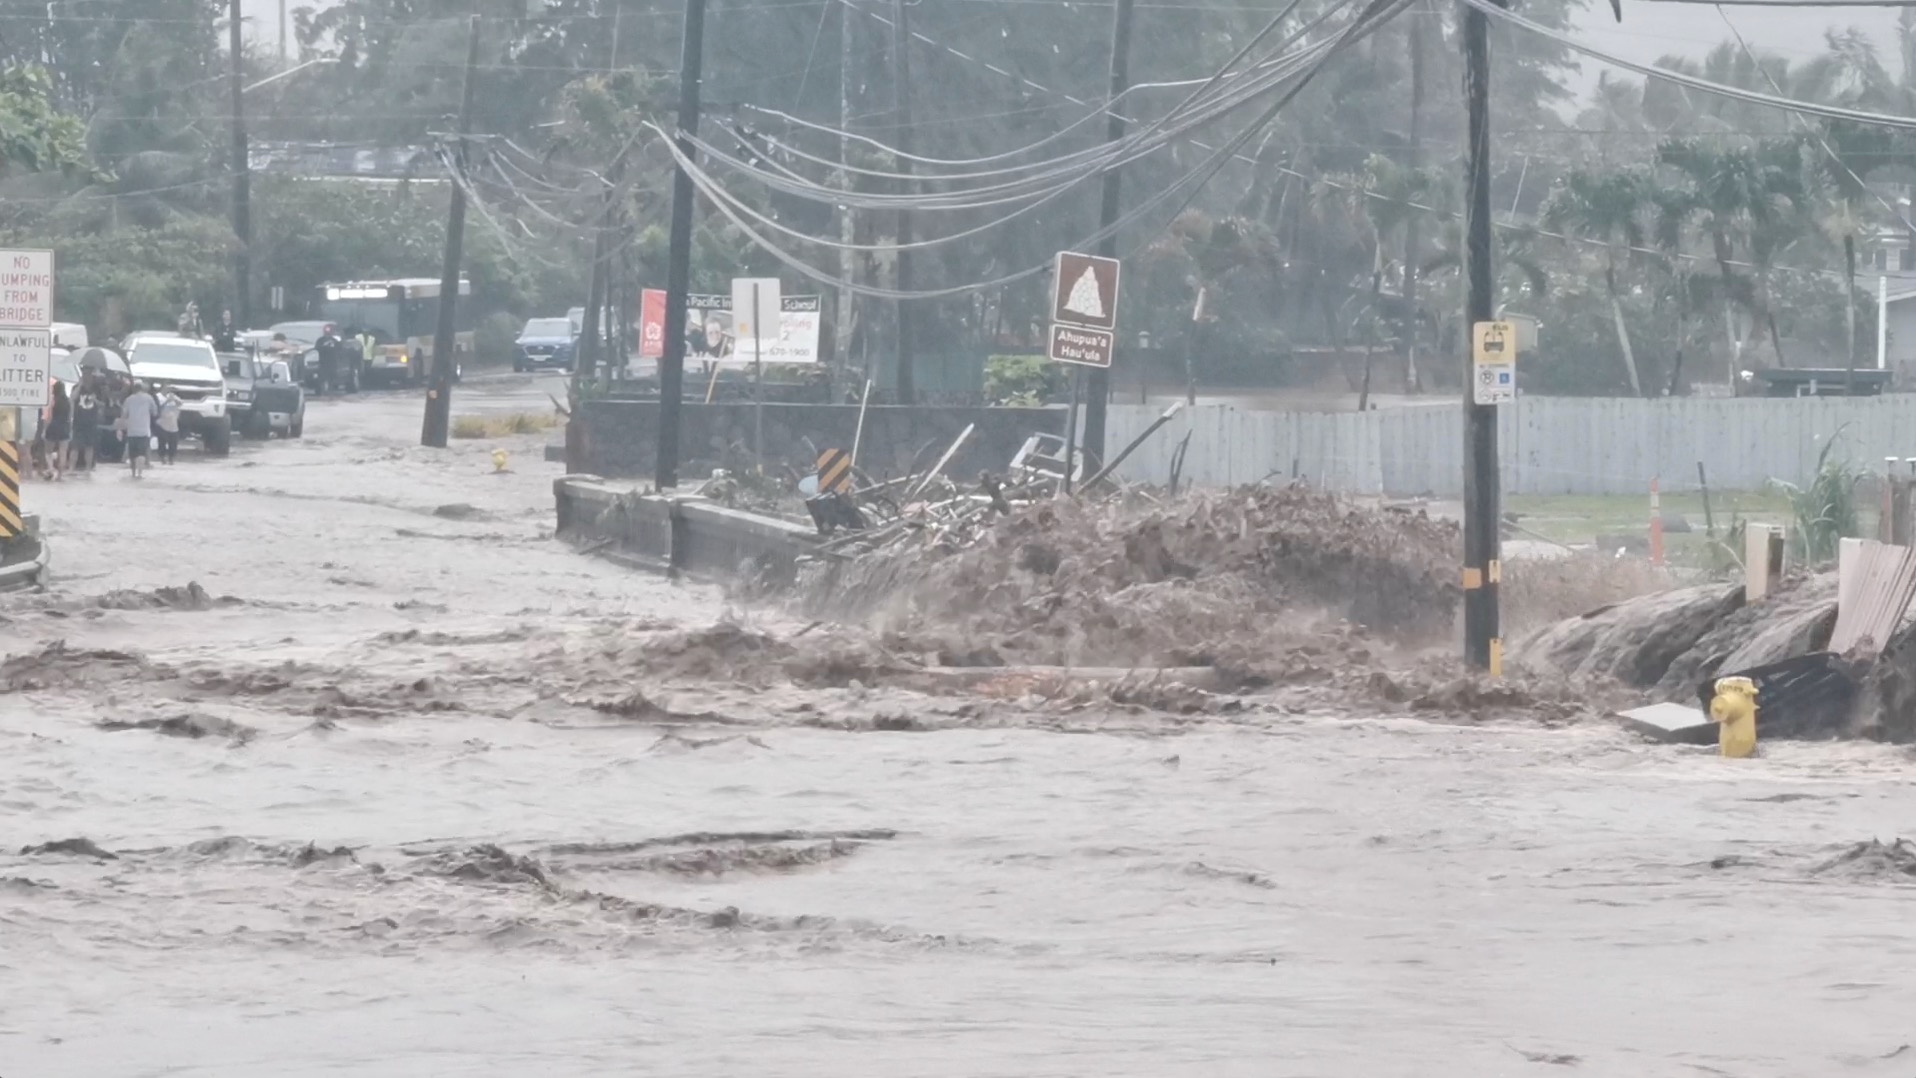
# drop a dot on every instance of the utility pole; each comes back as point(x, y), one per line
point(842, 320)
point(1098, 379)
point(282, 32)
point(437, 425)
point(586, 364)
point(1483, 647)
point(678, 268)
point(242, 178)
point(901, 98)
point(1413, 230)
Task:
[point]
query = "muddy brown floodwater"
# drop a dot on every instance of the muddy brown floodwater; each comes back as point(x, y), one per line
point(407, 790)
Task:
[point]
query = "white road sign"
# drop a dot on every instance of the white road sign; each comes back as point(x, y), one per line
point(23, 367)
point(755, 308)
point(26, 288)
point(1493, 355)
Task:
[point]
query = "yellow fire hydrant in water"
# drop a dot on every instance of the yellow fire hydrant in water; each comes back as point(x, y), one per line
point(498, 460)
point(1733, 709)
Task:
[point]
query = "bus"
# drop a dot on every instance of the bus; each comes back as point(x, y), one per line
point(402, 315)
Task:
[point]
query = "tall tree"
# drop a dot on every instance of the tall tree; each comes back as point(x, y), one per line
point(1607, 208)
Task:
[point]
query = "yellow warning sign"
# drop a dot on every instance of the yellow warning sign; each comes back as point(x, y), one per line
point(1494, 342)
point(9, 489)
point(834, 472)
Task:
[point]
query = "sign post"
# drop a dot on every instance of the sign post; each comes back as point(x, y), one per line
point(26, 336)
point(1493, 363)
point(755, 314)
point(1084, 320)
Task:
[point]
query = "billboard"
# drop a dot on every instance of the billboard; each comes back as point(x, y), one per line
point(708, 330)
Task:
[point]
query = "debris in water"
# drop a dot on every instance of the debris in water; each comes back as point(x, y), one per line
point(190, 597)
point(638, 706)
point(1555, 1059)
point(58, 666)
point(312, 854)
point(487, 863)
point(1872, 860)
point(1141, 582)
point(193, 726)
point(78, 847)
point(23, 885)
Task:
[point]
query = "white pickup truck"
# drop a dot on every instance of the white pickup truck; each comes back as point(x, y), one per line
point(191, 369)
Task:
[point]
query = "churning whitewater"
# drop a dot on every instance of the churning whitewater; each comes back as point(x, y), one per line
point(329, 759)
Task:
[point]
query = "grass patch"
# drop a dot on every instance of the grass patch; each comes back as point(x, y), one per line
point(1579, 518)
point(498, 426)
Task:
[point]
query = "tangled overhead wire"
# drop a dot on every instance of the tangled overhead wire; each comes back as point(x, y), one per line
point(1205, 106)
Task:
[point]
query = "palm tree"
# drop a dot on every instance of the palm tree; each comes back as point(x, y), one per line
point(1608, 208)
point(1390, 198)
point(1751, 198)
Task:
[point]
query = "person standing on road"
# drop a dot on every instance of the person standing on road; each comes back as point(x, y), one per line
point(112, 441)
point(167, 427)
point(328, 346)
point(86, 424)
point(138, 412)
point(59, 429)
point(226, 334)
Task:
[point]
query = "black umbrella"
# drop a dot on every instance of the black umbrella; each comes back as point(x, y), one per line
point(101, 359)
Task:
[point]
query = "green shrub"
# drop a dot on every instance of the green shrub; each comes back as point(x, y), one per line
point(1825, 511)
point(1023, 381)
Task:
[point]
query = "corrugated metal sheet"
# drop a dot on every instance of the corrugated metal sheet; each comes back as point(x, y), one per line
point(1874, 598)
point(1548, 445)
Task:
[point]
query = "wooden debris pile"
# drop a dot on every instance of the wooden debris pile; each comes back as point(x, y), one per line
point(1136, 578)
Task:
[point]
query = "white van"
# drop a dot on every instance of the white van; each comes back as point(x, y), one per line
point(71, 335)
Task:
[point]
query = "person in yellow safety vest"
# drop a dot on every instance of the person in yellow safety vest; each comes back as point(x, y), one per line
point(368, 347)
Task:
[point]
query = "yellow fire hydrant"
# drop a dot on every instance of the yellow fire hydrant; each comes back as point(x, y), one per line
point(498, 460)
point(1733, 709)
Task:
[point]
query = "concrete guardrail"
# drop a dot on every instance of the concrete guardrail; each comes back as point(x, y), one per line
point(679, 534)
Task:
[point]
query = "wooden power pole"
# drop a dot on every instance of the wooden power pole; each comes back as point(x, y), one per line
point(437, 426)
point(901, 99)
point(242, 178)
point(1483, 647)
point(678, 266)
point(1098, 379)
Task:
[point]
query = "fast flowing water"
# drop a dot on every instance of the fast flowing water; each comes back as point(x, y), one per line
point(412, 839)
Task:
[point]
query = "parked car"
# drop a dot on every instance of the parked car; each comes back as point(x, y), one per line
point(298, 348)
point(191, 369)
point(262, 396)
point(546, 342)
point(256, 340)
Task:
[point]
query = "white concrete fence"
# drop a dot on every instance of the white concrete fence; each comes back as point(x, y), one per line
point(1548, 445)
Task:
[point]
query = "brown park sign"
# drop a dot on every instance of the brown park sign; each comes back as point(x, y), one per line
point(1084, 291)
point(1086, 347)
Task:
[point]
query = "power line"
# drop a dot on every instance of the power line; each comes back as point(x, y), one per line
point(1375, 14)
point(1811, 108)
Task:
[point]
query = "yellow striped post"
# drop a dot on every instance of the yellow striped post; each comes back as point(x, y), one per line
point(10, 525)
point(834, 472)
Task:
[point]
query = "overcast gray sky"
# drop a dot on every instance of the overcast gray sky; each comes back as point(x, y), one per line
point(1650, 30)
